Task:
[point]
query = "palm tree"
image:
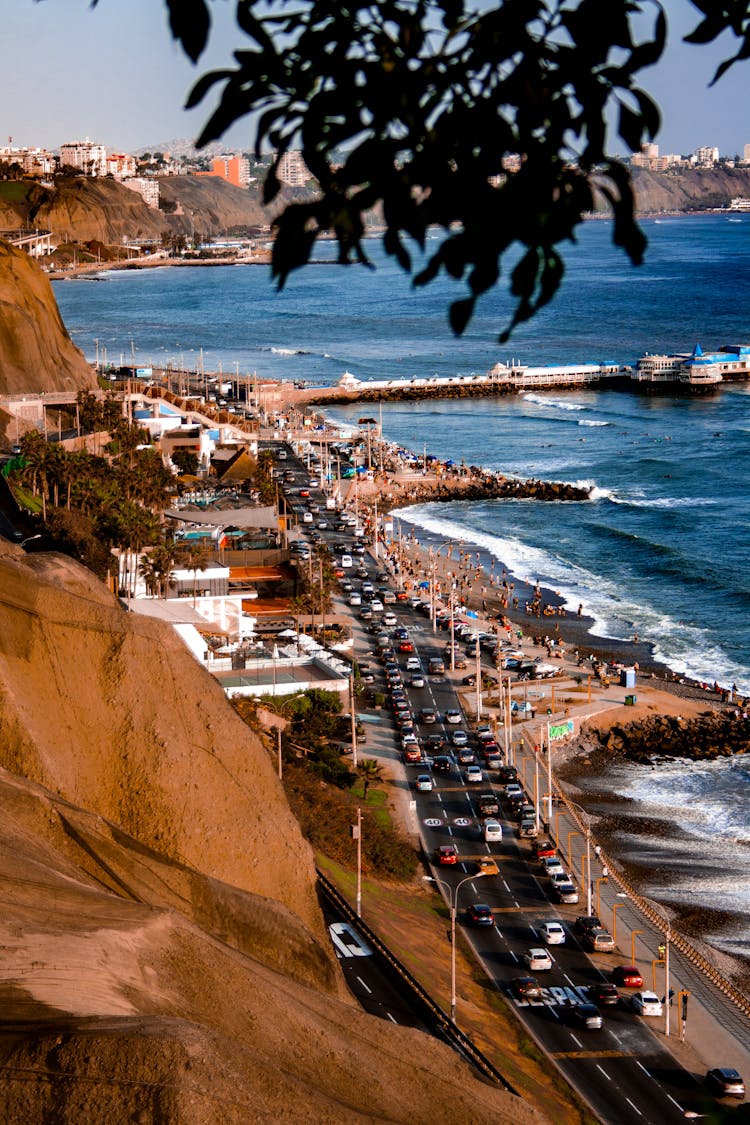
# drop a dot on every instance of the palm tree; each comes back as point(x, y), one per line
point(370, 771)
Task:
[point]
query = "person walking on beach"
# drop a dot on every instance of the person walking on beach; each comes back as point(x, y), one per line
point(598, 853)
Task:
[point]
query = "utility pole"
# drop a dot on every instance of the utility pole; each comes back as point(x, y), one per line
point(354, 722)
point(356, 830)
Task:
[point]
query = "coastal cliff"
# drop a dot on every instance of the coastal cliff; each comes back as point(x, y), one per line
point(36, 352)
point(163, 948)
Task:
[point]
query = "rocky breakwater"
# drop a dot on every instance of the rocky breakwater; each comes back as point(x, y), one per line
point(476, 486)
point(709, 736)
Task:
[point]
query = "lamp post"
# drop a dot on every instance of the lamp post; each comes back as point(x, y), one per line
point(615, 908)
point(452, 894)
point(584, 819)
point(632, 944)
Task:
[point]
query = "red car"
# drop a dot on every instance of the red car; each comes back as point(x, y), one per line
point(402, 596)
point(627, 976)
point(406, 646)
point(446, 855)
point(542, 849)
point(413, 754)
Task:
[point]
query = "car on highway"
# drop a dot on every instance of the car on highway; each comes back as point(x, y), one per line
point(442, 763)
point(405, 646)
point(466, 756)
point(473, 775)
point(417, 680)
point(459, 737)
point(557, 878)
point(413, 754)
point(355, 598)
point(428, 715)
point(376, 605)
point(586, 922)
point(565, 893)
point(627, 976)
point(552, 933)
point(446, 855)
point(541, 849)
point(479, 914)
point(492, 831)
point(435, 743)
point(408, 738)
point(452, 716)
point(424, 783)
point(538, 960)
point(647, 1004)
point(488, 804)
point(513, 789)
point(436, 666)
point(599, 941)
point(528, 828)
point(603, 993)
point(586, 1016)
point(389, 619)
point(525, 988)
point(725, 1082)
point(551, 865)
point(488, 866)
point(413, 664)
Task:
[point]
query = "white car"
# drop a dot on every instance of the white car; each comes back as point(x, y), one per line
point(473, 775)
point(459, 738)
point(538, 960)
point(513, 789)
point(390, 619)
point(355, 598)
point(376, 605)
point(424, 783)
point(452, 716)
point(413, 664)
point(551, 865)
point(552, 933)
point(493, 830)
point(647, 1004)
point(558, 878)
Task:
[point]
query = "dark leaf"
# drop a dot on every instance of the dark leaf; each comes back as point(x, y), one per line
point(460, 314)
point(190, 23)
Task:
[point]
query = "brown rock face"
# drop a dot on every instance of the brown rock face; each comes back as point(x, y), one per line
point(163, 954)
point(36, 352)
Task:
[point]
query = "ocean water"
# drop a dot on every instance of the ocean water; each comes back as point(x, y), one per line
point(662, 548)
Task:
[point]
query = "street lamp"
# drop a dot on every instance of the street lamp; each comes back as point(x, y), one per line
point(584, 819)
point(632, 944)
point(452, 894)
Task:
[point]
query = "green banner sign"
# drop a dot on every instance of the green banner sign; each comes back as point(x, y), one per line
point(560, 730)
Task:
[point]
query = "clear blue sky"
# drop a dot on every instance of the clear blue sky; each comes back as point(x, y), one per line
point(114, 75)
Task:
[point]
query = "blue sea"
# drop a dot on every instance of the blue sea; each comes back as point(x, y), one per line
point(661, 550)
point(662, 547)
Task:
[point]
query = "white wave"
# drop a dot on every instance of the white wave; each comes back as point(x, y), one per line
point(592, 422)
point(617, 613)
point(558, 404)
point(288, 351)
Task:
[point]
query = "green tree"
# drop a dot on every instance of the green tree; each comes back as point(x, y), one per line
point(186, 461)
point(370, 770)
point(429, 100)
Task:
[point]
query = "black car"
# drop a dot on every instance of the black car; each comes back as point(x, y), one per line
point(587, 1016)
point(525, 988)
point(725, 1082)
point(479, 914)
point(587, 923)
point(442, 763)
point(506, 774)
point(434, 743)
point(603, 993)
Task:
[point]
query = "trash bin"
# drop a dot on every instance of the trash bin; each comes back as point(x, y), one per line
point(630, 700)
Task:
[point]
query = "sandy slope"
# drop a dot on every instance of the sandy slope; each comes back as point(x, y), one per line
point(162, 955)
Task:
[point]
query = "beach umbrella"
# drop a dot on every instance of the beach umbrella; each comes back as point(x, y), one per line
point(424, 585)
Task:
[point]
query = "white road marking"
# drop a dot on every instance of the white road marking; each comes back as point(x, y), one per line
point(390, 1017)
point(450, 830)
point(640, 1064)
point(577, 1042)
point(570, 982)
point(532, 930)
point(515, 903)
point(439, 796)
point(366, 988)
point(464, 868)
point(603, 1072)
point(635, 1107)
point(674, 1102)
point(514, 956)
point(506, 886)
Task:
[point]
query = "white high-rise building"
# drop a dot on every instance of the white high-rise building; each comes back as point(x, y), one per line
point(292, 169)
point(90, 158)
point(705, 156)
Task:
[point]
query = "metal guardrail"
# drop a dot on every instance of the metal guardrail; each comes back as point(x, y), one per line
point(644, 907)
point(452, 1033)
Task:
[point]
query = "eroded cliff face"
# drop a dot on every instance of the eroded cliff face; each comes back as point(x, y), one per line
point(36, 352)
point(163, 954)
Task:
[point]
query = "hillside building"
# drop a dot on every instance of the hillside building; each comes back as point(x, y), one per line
point(88, 158)
point(705, 156)
point(234, 169)
point(146, 187)
point(292, 169)
point(33, 161)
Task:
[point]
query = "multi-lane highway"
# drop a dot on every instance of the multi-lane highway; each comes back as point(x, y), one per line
point(621, 1068)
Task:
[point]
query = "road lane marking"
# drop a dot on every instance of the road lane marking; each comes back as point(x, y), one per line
point(347, 941)
point(640, 1064)
point(603, 1072)
point(390, 1017)
point(635, 1107)
point(450, 830)
point(674, 1102)
point(366, 987)
point(577, 1042)
point(506, 886)
point(592, 1055)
